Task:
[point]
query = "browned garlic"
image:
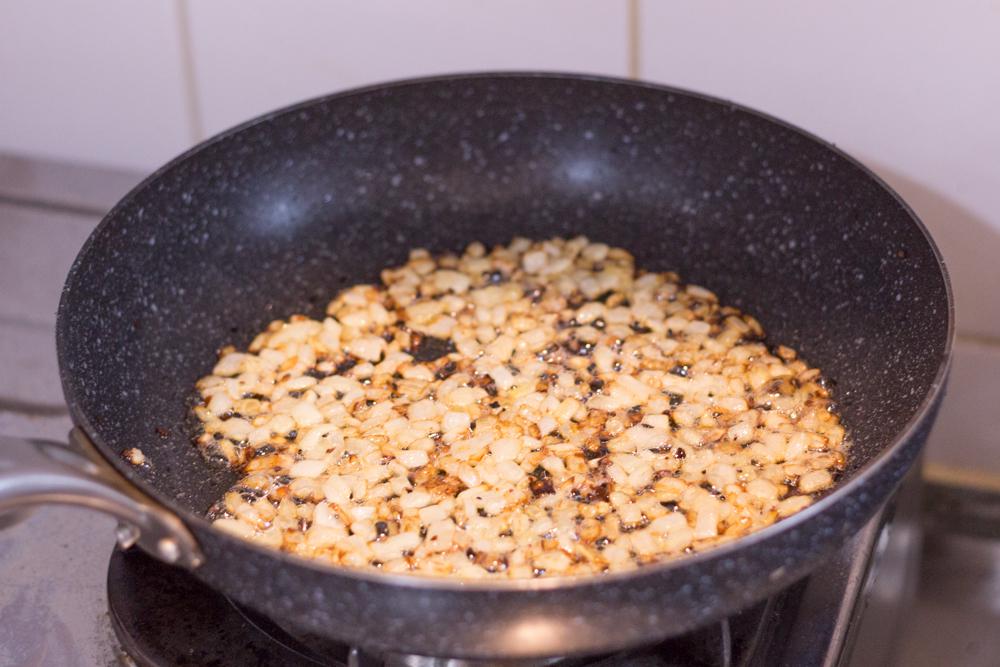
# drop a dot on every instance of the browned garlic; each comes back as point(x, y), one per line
point(539, 409)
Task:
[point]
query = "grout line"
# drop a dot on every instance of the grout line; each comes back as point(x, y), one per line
point(21, 322)
point(965, 477)
point(634, 68)
point(30, 409)
point(55, 207)
point(986, 340)
point(192, 100)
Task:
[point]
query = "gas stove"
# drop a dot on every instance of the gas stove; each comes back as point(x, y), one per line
point(54, 611)
point(164, 616)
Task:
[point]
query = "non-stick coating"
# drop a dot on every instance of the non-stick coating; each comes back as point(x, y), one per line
point(276, 217)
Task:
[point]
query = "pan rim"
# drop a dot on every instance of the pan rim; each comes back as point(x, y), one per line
point(560, 582)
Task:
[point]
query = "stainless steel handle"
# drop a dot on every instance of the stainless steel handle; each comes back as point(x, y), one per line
point(34, 472)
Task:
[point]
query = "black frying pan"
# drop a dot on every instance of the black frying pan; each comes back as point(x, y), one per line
point(274, 217)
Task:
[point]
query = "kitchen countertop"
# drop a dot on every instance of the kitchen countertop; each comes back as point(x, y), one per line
point(53, 605)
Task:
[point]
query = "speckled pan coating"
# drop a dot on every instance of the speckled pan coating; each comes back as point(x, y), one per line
point(272, 218)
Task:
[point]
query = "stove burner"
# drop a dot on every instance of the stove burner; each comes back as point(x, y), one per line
point(163, 616)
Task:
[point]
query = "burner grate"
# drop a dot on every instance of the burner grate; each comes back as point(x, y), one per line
point(164, 616)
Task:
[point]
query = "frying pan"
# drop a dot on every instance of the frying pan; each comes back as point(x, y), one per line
point(274, 217)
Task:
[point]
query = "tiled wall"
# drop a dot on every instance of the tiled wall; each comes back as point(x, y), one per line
point(910, 87)
point(133, 83)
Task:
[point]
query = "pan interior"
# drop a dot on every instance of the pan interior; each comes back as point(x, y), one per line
point(274, 219)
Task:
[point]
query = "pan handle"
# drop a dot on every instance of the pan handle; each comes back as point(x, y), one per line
point(34, 472)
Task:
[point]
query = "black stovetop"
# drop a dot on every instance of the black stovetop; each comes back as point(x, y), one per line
point(164, 616)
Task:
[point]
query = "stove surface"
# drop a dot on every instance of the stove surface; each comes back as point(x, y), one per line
point(178, 621)
point(164, 616)
point(54, 609)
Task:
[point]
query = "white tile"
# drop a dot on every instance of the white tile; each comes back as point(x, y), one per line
point(92, 81)
point(252, 56)
point(30, 371)
point(36, 250)
point(86, 188)
point(971, 249)
point(966, 435)
point(911, 88)
point(41, 426)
